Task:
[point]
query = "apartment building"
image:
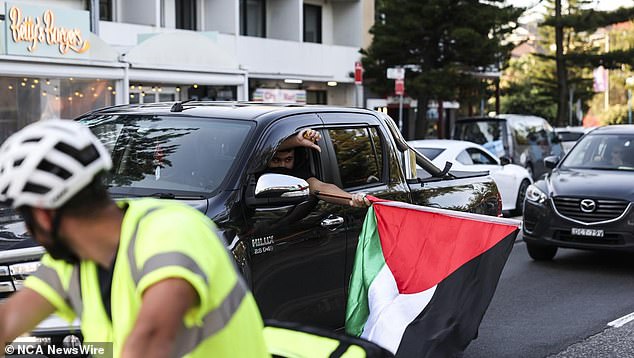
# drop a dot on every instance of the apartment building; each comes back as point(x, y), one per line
point(62, 58)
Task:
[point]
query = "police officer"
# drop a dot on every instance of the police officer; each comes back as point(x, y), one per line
point(150, 276)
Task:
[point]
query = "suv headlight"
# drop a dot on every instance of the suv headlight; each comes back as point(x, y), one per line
point(534, 194)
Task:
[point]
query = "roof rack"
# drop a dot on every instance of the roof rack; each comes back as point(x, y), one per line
point(178, 106)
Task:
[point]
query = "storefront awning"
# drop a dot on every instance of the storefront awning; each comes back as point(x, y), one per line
point(183, 57)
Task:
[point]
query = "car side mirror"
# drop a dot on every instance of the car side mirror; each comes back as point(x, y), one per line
point(550, 162)
point(276, 190)
point(504, 160)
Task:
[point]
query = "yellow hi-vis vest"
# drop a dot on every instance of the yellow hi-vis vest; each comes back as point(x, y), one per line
point(160, 240)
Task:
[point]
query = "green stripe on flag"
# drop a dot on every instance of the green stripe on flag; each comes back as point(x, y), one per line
point(367, 264)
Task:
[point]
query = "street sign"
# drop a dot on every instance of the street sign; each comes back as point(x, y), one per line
point(396, 73)
point(399, 87)
point(358, 73)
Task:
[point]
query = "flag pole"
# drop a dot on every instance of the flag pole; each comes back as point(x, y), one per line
point(319, 193)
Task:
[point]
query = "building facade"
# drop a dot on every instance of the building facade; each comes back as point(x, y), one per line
point(62, 58)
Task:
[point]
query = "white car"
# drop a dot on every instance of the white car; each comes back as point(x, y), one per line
point(512, 180)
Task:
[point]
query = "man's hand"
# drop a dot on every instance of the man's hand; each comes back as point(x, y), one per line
point(308, 138)
point(359, 200)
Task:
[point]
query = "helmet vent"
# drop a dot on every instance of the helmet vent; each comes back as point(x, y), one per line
point(84, 156)
point(18, 162)
point(49, 167)
point(32, 140)
point(35, 188)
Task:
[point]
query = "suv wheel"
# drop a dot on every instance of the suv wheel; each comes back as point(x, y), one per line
point(541, 252)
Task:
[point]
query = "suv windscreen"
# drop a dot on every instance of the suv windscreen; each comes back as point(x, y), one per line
point(168, 156)
point(602, 151)
point(487, 133)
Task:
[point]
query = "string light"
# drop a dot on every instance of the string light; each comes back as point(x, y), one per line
point(32, 86)
point(36, 81)
point(48, 82)
point(109, 88)
point(10, 87)
point(131, 87)
point(71, 78)
point(131, 95)
point(23, 84)
point(140, 88)
point(195, 86)
point(70, 98)
point(114, 92)
point(95, 95)
point(178, 89)
point(44, 93)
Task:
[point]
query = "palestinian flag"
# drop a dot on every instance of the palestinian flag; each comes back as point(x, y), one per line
point(424, 277)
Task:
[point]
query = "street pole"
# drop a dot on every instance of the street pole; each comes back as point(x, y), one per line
point(400, 113)
point(629, 84)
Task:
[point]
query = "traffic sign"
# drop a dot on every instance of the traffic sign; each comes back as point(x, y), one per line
point(399, 87)
point(396, 73)
point(358, 73)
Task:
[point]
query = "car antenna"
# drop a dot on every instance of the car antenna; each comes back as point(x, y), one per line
point(178, 106)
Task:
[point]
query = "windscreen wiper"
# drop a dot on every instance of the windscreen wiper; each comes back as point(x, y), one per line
point(168, 195)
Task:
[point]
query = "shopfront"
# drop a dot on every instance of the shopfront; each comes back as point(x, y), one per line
point(52, 66)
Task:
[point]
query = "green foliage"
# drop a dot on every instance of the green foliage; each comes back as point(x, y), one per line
point(442, 41)
point(616, 114)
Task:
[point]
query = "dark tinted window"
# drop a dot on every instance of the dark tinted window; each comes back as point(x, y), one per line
point(168, 154)
point(186, 14)
point(252, 18)
point(312, 23)
point(569, 136)
point(105, 10)
point(430, 153)
point(359, 156)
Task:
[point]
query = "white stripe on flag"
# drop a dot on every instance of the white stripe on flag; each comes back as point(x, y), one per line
point(390, 311)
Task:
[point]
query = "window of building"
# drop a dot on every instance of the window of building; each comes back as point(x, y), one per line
point(359, 156)
point(253, 18)
point(105, 10)
point(316, 97)
point(24, 100)
point(186, 14)
point(312, 23)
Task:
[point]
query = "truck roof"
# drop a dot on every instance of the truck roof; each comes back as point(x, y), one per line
point(228, 110)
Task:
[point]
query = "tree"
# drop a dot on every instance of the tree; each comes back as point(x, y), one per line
point(442, 43)
point(582, 20)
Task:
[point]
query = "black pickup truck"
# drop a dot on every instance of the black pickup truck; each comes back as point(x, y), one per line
point(296, 252)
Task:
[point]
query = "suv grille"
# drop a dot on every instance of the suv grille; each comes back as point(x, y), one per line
point(570, 208)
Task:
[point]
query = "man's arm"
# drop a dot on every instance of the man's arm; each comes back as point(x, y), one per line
point(21, 312)
point(356, 200)
point(160, 319)
point(305, 138)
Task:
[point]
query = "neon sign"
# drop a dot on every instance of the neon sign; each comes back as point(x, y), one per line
point(42, 30)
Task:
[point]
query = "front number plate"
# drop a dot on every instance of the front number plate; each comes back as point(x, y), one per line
point(587, 232)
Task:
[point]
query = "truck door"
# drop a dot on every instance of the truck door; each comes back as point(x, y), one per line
point(298, 252)
point(364, 159)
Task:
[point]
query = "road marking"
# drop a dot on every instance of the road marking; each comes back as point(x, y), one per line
point(621, 321)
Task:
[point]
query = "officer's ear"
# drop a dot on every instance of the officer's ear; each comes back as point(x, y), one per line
point(43, 218)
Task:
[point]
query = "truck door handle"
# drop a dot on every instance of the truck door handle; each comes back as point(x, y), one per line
point(332, 221)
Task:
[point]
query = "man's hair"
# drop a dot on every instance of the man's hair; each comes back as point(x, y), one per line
point(285, 150)
point(90, 200)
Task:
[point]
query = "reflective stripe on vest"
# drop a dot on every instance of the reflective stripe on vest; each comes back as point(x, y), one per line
point(216, 319)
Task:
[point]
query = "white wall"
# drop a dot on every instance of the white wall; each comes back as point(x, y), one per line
point(347, 23)
point(141, 12)
point(221, 16)
point(283, 59)
point(283, 19)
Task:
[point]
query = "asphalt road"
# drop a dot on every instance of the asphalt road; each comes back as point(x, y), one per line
point(559, 308)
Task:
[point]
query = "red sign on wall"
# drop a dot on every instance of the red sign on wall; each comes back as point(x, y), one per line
point(399, 87)
point(358, 73)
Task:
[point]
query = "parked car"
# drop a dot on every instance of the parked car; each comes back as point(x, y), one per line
point(568, 136)
point(295, 252)
point(525, 140)
point(512, 180)
point(586, 202)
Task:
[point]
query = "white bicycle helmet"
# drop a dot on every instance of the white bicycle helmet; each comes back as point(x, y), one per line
point(44, 164)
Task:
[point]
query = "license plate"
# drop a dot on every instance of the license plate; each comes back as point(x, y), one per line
point(587, 232)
